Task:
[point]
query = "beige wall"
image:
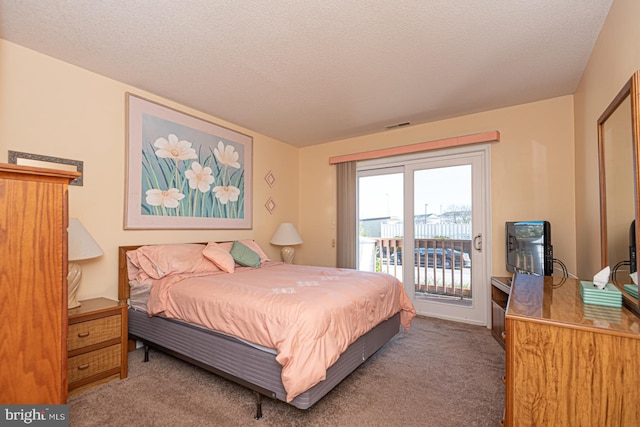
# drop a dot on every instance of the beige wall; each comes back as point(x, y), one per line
point(614, 59)
point(532, 175)
point(52, 108)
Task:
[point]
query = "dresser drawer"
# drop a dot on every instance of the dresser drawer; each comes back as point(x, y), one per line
point(94, 331)
point(95, 362)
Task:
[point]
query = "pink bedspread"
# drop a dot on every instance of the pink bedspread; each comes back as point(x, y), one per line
point(310, 315)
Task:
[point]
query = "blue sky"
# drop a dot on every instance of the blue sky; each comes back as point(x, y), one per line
point(439, 188)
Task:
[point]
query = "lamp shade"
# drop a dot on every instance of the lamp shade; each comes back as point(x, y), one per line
point(81, 244)
point(285, 235)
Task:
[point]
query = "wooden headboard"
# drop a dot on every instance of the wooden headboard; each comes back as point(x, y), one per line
point(123, 277)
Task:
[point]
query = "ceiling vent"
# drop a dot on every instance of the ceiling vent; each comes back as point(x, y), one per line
point(398, 125)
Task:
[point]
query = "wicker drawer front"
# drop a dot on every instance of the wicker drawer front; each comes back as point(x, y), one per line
point(95, 362)
point(93, 331)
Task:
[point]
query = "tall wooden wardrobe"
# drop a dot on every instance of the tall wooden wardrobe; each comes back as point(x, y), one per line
point(33, 284)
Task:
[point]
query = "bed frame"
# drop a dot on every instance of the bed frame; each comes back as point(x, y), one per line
point(236, 360)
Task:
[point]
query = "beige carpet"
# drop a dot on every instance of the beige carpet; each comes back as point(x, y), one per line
point(439, 373)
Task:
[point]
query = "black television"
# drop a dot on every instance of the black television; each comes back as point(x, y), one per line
point(528, 247)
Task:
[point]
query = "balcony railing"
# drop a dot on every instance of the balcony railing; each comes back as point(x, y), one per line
point(441, 266)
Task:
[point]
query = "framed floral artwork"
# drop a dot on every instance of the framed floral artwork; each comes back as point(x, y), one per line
point(184, 172)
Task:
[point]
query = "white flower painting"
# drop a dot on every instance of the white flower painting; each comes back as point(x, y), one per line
point(188, 175)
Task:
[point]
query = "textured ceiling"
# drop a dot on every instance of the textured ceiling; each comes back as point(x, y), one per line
point(312, 71)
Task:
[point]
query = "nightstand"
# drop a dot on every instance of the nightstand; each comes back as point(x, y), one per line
point(97, 344)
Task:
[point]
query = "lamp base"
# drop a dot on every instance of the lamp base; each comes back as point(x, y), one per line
point(288, 253)
point(73, 283)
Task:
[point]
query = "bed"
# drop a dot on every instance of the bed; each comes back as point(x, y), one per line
point(268, 326)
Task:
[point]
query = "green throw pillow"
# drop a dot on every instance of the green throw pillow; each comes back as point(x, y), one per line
point(244, 256)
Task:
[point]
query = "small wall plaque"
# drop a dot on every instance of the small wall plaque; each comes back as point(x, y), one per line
point(270, 178)
point(270, 205)
point(38, 160)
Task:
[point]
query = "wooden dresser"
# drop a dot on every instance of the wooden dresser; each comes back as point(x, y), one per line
point(33, 290)
point(97, 343)
point(569, 363)
point(500, 289)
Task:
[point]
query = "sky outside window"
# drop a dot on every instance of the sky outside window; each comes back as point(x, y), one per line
point(435, 189)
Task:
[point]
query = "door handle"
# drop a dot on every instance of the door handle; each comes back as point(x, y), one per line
point(477, 242)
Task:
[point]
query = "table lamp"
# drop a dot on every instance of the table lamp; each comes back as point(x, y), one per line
point(286, 235)
point(81, 246)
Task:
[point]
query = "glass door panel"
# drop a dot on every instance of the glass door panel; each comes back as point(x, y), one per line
point(380, 213)
point(422, 219)
point(448, 195)
point(442, 234)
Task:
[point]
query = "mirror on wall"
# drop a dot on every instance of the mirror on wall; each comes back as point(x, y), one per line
point(618, 137)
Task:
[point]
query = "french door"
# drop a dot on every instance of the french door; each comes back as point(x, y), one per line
point(425, 219)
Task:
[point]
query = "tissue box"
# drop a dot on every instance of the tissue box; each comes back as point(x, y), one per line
point(610, 296)
point(632, 290)
point(602, 313)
